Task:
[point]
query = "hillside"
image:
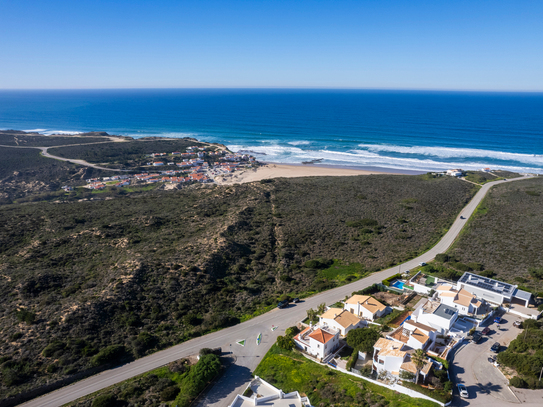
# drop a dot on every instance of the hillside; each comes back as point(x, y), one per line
point(84, 283)
point(505, 234)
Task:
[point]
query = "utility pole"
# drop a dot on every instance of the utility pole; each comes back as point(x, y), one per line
point(540, 374)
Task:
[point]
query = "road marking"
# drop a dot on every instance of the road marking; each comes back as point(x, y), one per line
point(242, 342)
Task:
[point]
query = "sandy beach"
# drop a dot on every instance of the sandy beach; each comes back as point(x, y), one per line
point(272, 170)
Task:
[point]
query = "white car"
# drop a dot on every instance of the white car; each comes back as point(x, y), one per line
point(463, 391)
point(422, 264)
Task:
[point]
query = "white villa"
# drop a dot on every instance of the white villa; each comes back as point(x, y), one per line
point(414, 334)
point(366, 307)
point(439, 316)
point(318, 341)
point(341, 320)
point(466, 302)
point(393, 357)
point(264, 394)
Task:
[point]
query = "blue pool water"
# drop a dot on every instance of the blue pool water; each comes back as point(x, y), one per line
point(398, 284)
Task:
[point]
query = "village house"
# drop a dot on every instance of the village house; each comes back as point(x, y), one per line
point(414, 334)
point(466, 302)
point(392, 357)
point(436, 315)
point(341, 320)
point(264, 394)
point(318, 341)
point(366, 307)
point(455, 173)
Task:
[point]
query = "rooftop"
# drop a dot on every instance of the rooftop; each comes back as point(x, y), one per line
point(488, 284)
point(444, 311)
point(320, 335)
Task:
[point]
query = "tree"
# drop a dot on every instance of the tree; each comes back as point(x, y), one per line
point(363, 339)
point(419, 359)
point(405, 375)
point(321, 308)
point(284, 342)
point(311, 313)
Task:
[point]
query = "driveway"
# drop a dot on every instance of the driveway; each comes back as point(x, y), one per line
point(487, 386)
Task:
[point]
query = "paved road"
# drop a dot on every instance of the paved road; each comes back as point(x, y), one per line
point(45, 153)
point(248, 357)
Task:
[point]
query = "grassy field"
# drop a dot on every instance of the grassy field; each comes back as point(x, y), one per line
point(504, 235)
point(290, 371)
point(83, 277)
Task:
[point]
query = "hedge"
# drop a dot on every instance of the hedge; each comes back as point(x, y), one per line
point(388, 280)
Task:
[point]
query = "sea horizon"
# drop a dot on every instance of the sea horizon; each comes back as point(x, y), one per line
point(403, 130)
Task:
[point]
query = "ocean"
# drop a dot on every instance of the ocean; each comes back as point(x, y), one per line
point(401, 130)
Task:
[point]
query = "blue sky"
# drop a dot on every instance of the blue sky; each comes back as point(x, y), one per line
point(457, 45)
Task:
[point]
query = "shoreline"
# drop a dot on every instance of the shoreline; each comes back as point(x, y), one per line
point(270, 170)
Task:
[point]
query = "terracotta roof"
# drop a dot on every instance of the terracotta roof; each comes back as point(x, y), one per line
point(346, 319)
point(357, 299)
point(332, 313)
point(321, 336)
point(411, 367)
point(444, 287)
point(393, 353)
point(448, 294)
point(420, 326)
point(382, 343)
point(372, 305)
point(419, 336)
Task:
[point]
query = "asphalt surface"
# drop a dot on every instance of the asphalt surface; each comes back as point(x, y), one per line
point(248, 357)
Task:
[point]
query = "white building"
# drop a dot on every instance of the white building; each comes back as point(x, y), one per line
point(455, 172)
point(341, 320)
point(394, 357)
point(414, 334)
point(264, 394)
point(466, 302)
point(366, 307)
point(494, 291)
point(439, 316)
point(318, 341)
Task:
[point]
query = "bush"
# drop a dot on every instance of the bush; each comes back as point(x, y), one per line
point(442, 257)
point(169, 393)
point(52, 348)
point(284, 342)
point(318, 263)
point(108, 355)
point(362, 339)
point(292, 332)
point(387, 281)
point(105, 400)
point(24, 315)
point(517, 381)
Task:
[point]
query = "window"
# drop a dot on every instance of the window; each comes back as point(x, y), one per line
point(381, 362)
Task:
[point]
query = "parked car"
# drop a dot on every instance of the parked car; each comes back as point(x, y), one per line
point(461, 217)
point(463, 391)
point(485, 331)
point(517, 324)
point(476, 337)
point(497, 320)
point(492, 358)
point(495, 347)
point(282, 304)
point(296, 300)
point(422, 264)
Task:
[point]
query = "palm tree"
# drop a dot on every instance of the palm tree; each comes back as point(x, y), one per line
point(311, 314)
point(419, 359)
point(321, 308)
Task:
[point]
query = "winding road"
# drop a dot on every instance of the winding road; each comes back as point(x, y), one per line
point(45, 153)
point(248, 356)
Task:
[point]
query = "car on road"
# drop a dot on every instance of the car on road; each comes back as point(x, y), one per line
point(485, 331)
point(461, 217)
point(517, 324)
point(497, 320)
point(495, 347)
point(282, 304)
point(463, 390)
point(296, 300)
point(476, 337)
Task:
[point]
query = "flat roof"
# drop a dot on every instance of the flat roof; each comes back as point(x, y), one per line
point(444, 311)
point(489, 284)
point(524, 295)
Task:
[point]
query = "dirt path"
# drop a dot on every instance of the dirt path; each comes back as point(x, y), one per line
point(45, 153)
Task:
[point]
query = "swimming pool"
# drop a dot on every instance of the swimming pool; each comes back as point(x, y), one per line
point(397, 284)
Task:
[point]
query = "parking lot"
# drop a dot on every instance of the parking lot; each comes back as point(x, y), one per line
point(485, 383)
